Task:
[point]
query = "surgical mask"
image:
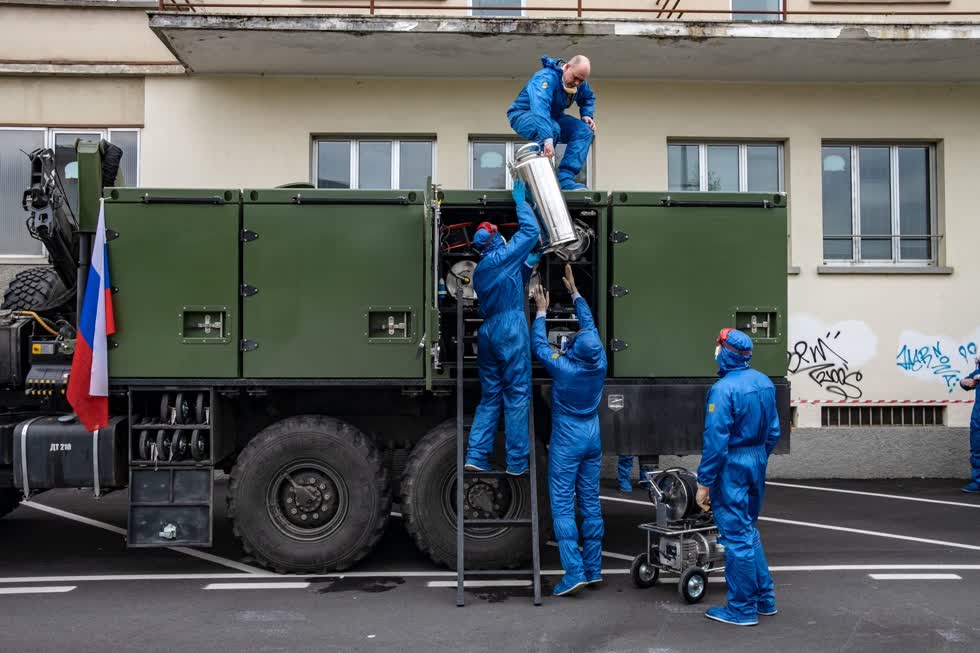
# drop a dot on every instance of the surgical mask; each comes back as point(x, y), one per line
point(717, 351)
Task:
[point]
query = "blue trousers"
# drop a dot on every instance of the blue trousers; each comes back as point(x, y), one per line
point(624, 472)
point(573, 132)
point(736, 500)
point(975, 445)
point(574, 460)
point(504, 358)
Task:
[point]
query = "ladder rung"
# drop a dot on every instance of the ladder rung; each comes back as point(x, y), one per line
point(499, 572)
point(487, 474)
point(496, 522)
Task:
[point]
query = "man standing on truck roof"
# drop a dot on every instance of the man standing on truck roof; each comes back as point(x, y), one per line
point(575, 451)
point(741, 429)
point(538, 114)
point(504, 354)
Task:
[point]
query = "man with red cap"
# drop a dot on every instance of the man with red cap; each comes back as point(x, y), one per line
point(741, 429)
point(504, 349)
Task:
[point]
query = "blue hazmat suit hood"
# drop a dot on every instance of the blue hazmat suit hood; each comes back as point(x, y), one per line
point(586, 349)
point(728, 360)
point(480, 241)
point(550, 62)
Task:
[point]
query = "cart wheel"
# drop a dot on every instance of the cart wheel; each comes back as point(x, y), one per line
point(181, 409)
point(199, 409)
point(144, 451)
point(644, 574)
point(180, 445)
point(694, 583)
point(198, 445)
point(163, 445)
point(165, 408)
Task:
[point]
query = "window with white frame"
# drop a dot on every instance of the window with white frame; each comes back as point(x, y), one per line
point(764, 6)
point(15, 175)
point(491, 8)
point(725, 167)
point(879, 204)
point(488, 163)
point(373, 163)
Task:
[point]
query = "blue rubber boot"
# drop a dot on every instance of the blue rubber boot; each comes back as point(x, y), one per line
point(971, 488)
point(726, 616)
point(569, 585)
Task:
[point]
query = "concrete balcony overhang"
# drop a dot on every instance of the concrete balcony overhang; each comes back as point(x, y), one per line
point(446, 47)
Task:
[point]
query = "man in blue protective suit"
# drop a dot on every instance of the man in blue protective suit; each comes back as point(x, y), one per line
point(970, 383)
point(538, 114)
point(575, 452)
point(624, 473)
point(503, 353)
point(741, 429)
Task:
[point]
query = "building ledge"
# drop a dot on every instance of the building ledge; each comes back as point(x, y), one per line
point(793, 269)
point(459, 47)
point(89, 69)
point(883, 269)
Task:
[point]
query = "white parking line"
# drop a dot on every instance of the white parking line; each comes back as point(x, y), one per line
point(959, 504)
point(843, 529)
point(860, 531)
point(50, 589)
point(480, 583)
point(256, 586)
point(915, 576)
point(210, 557)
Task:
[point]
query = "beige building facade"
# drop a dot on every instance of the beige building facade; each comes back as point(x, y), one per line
point(867, 121)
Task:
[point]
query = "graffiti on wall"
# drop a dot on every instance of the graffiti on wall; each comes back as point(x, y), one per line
point(831, 356)
point(936, 358)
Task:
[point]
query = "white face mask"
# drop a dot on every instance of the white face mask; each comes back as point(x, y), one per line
point(717, 351)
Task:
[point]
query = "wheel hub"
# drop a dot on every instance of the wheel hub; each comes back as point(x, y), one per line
point(305, 501)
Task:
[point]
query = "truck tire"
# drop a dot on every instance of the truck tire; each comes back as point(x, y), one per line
point(308, 494)
point(32, 289)
point(428, 505)
point(9, 499)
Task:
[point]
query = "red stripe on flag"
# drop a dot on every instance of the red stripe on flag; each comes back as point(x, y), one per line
point(93, 412)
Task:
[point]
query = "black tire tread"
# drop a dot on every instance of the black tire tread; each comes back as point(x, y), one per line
point(32, 289)
point(309, 422)
point(410, 511)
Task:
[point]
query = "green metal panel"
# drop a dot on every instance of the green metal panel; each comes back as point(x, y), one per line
point(329, 273)
point(89, 185)
point(176, 268)
point(691, 271)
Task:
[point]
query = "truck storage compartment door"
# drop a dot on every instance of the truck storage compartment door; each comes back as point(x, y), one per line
point(333, 284)
point(684, 266)
point(173, 256)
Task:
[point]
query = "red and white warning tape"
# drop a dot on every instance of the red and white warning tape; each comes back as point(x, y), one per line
point(864, 402)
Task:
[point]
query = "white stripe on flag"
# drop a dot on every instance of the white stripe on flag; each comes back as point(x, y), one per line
point(99, 379)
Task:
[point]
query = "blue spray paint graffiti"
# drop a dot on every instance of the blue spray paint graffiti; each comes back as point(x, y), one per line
point(932, 359)
point(969, 351)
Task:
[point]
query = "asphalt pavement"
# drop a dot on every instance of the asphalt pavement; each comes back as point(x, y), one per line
point(859, 566)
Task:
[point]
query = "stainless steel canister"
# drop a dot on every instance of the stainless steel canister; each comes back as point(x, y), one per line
point(557, 229)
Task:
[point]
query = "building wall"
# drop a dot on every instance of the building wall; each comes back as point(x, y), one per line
point(71, 101)
point(864, 321)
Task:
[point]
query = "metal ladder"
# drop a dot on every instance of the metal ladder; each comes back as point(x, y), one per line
point(461, 475)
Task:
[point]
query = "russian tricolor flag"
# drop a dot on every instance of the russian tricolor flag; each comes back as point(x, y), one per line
point(88, 385)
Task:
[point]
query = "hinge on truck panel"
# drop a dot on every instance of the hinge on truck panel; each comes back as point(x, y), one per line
point(248, 345)
point(248, 291)
point(618, 237)
point(248, 236)
point(111, 234)
point(618, 291)
point(618, 345)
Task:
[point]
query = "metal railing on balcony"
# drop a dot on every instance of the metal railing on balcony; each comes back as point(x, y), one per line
point(660, 10)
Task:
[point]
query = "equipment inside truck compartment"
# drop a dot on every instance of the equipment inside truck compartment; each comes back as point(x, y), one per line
point(458, 259)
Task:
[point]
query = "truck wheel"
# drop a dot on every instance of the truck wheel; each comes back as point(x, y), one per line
point(428, 504)
point(9, 499)
point(32, 289)
point(308, 494)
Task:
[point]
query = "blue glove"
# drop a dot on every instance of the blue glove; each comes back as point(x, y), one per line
point(519, 191)
point(532, 259)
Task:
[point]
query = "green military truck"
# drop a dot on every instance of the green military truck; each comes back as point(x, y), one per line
point(305, 342)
